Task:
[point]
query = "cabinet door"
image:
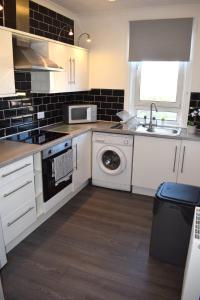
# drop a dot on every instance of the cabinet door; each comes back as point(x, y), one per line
point(7, 86)
point(17, 206)
point(189, 166)
point(79, 69)
point(155, 160)
point(82, 159)
point(17, 221)
point(53, 82)
point(60, 81)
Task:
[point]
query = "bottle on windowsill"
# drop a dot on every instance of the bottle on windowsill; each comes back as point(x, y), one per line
point(145, 121)
point(154, 121)
point(163, 122)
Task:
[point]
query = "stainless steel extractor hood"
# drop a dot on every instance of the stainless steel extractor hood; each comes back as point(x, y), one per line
point(25, 58)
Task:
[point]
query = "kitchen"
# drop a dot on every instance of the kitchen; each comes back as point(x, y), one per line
point(83, 149)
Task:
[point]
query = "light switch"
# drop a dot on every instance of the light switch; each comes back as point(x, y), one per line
point(40, 115)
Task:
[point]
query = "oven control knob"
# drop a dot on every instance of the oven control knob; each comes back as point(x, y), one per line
point(50, 151)
point(66, 145)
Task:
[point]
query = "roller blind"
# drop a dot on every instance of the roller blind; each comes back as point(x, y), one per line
point(160, 40)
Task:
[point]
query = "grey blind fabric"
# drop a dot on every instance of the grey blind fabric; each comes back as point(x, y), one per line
point(160, 40)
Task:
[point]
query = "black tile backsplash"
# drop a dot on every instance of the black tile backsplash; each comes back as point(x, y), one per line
point(1, 24)
point(48, 23)
point(20, 114)
point(194, 105)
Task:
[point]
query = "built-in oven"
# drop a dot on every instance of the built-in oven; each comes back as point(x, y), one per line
point(57, 168)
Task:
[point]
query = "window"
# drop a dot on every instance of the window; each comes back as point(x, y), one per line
point(160, 82)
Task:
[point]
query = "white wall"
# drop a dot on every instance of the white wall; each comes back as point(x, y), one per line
point(109, 66)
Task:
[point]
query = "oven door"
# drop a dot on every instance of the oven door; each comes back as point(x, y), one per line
point(80, 114)
point(50, 186)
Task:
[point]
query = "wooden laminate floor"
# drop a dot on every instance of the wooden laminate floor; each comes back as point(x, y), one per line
point(94, 248)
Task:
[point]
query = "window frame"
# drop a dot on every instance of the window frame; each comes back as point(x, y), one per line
point(163, 105)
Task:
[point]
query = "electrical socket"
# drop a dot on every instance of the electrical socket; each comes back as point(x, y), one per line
point(40, 115)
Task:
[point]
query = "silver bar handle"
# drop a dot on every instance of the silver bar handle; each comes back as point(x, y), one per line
point(17, 189)
point(183, 160)
point(74, 64)
point(21, 216)
point(70, 71)
point(175, 155)
point(16, 170)
point(76, 157)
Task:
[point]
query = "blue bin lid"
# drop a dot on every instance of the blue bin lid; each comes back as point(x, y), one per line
point(179, 193)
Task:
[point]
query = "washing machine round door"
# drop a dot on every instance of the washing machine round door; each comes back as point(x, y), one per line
point(111, 160)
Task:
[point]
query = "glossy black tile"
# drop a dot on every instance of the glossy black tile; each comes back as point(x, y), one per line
point(2, 114)
point(118, 93)
point(112, 99)
point(10, 130)
point(5, 123)
point(194, 105)
point(4, 104)
point(29, 126)
point(2, 132)
point(10, 113)
point(28, 119)
point(22, 111)
point(16, 121)
point(195, 96)
point(106, 92)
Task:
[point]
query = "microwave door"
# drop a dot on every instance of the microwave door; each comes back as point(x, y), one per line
point(78, 115)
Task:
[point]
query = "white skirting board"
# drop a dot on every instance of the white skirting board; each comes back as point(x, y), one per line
point(43, 218)
point(143, 191)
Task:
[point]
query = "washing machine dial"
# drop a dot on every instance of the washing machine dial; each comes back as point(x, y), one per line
point(126, 142)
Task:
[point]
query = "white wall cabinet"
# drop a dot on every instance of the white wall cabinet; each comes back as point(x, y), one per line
point(7, 80)
point(82, 159)
point(17, 198)
point(79, 70)
point(155, 160)
point(75, 74)
point(189, 166)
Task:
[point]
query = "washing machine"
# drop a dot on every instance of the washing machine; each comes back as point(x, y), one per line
point(112, 160)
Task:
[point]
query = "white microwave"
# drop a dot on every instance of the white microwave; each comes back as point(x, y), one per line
point(73, 114)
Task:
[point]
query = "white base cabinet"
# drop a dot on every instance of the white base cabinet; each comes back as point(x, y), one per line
point(17, 198)
point(82, 159)
point(189, 166)
point(156, 160)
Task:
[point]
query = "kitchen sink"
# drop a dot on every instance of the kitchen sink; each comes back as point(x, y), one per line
point(168, 131)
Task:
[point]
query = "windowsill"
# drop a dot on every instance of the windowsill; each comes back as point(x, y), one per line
point(161, 123)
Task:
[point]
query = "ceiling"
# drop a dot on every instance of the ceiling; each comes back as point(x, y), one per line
point(89, 6)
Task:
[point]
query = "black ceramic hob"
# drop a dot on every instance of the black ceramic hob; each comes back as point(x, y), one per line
point(38, 137)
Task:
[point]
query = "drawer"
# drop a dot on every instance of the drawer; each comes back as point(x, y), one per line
point(18, 221)
point(15, 170)
point(17, 193)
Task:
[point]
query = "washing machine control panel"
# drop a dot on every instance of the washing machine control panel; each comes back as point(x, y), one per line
point(112, 139)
